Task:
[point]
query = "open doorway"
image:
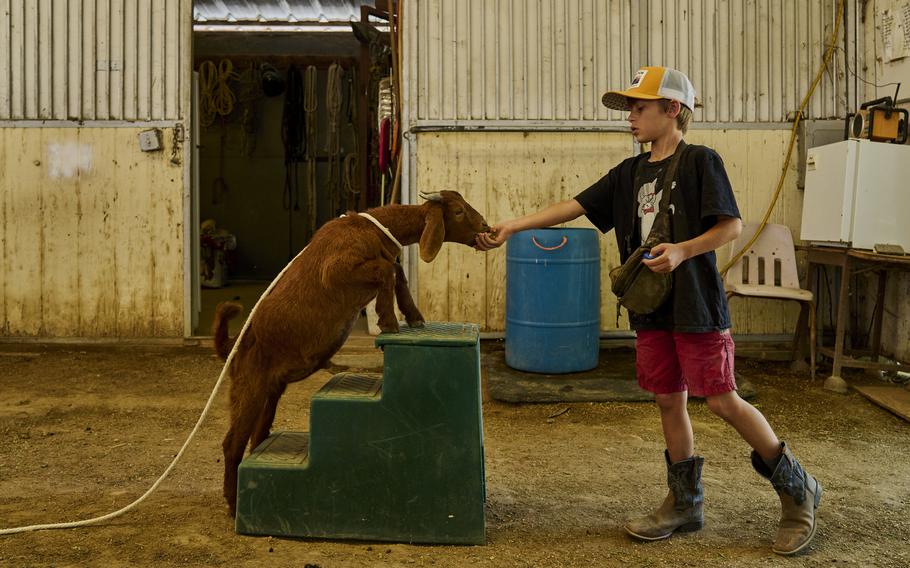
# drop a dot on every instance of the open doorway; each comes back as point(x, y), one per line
point(290, 114)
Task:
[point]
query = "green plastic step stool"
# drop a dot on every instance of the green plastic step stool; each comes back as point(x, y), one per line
point(396, 457)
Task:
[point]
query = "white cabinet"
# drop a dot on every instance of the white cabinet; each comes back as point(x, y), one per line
point(857, 194)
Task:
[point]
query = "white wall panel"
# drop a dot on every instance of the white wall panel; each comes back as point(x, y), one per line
point(514, 60)
point(92, 59)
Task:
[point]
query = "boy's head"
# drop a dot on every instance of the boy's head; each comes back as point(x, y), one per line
point(658, 99)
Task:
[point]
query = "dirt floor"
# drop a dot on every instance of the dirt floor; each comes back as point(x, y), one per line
point(87, 430)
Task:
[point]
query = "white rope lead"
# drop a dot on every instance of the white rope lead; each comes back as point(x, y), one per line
point(205, 411)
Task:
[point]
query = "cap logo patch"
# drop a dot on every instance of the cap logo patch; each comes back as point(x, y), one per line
point(639, 77)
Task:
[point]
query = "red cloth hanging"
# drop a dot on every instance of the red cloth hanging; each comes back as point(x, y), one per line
point(384, 144)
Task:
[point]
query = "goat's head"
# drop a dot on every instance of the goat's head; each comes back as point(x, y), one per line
point(448, 218)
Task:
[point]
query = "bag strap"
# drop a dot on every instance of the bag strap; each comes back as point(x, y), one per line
point(660, 230)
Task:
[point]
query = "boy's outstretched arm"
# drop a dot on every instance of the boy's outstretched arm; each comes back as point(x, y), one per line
point(553, 215)
point(667, 256)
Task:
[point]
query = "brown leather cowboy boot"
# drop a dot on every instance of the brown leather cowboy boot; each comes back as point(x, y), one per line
point(799, 495)
point(681, 510)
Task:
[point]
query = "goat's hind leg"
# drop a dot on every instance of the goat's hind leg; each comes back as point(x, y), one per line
point(264, 423)
point(405, 301)
point(247, 403)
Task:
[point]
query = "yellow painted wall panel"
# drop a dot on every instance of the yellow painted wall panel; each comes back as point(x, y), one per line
point(92, 235)
point(98, 192)
point(3, 240)
point(503, 175)
point(23, 230)
point(64, 158)
point(508, 174)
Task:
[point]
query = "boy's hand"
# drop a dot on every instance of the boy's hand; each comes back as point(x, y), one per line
point(495, 237)
point(665, 257)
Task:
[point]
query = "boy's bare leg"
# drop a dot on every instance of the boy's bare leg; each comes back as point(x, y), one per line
point(748, 421)
point(676, 425)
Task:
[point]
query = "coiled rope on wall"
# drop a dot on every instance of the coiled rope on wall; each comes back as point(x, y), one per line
point(216, 97)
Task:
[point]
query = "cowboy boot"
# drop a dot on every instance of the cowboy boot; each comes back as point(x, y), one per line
point(799, 495)
point(681, 511)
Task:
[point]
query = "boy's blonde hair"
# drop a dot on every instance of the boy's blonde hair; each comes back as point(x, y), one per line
point(683, 118)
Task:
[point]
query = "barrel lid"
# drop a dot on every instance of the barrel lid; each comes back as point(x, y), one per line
point(433, 333)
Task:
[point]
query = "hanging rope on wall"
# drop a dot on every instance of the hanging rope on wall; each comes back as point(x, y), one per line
point(310, 104)
point(334, 97)
point(349, 179)
point(350, 164)
point(248, 95)
point(216, 97)
point(293, 127)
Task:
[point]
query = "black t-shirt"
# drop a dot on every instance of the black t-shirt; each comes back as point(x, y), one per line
point(702, 192)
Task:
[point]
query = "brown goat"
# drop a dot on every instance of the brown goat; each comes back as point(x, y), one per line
point(309, 313)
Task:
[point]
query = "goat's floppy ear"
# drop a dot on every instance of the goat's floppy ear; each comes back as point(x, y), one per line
point(433, 234)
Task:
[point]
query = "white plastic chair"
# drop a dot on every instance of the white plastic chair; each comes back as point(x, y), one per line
point(768, 270)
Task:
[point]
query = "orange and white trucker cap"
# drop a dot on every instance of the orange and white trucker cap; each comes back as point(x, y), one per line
point(653, 83)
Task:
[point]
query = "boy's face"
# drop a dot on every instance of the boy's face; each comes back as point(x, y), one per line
point(649, 120)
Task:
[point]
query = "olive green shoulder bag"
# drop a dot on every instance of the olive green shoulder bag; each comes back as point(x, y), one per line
point(638, 288)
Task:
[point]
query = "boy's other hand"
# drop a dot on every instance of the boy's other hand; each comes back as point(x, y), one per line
point(495, 237)
point(665, 257)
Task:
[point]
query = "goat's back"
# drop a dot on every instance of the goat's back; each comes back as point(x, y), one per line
point(314, 305)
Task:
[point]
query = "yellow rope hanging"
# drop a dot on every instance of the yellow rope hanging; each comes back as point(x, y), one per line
point(780, 184)
point(216, 97)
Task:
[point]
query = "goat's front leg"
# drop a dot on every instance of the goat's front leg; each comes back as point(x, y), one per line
point(405, 301)
point(381, 273)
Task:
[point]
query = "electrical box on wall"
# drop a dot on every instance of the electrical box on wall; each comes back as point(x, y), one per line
point(812, 134)
point(150, 140)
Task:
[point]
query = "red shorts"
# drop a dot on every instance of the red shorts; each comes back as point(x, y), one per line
point(669, 362)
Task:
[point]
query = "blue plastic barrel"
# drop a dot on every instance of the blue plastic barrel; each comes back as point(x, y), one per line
point(553, 300)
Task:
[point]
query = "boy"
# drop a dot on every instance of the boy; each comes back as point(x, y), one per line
point(685, 345)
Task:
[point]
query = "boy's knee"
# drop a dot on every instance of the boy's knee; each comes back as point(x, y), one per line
point(670, 402)
point(723, 405)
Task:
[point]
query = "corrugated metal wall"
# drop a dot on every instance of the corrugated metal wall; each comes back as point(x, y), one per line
point(750, 60)
point(92, 59)
point(524, 59)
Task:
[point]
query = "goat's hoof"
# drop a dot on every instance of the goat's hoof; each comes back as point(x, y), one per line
point(389, 328)
point(416, 323)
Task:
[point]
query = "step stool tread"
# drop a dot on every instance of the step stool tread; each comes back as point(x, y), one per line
point(351, 385)
point(432, 333)
point(281, 448)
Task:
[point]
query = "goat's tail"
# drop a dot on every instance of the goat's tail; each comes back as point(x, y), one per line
point(225, 312)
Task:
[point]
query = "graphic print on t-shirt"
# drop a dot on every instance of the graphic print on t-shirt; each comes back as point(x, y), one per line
point(648, 205)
